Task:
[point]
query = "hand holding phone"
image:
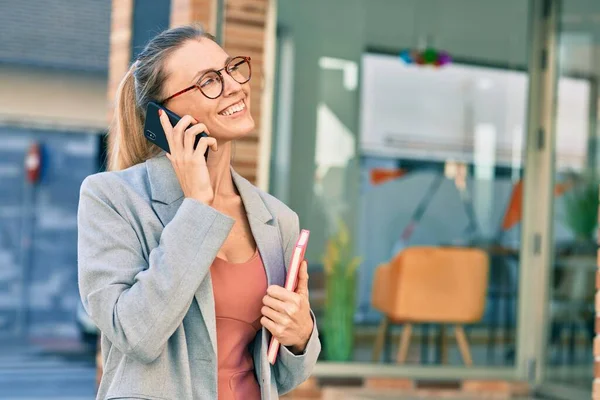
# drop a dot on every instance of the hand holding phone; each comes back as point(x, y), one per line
point(154, 131)
point(186, 143)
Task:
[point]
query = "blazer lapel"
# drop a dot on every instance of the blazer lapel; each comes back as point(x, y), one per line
point(167, 197)
point(165, 190)
point(265, 233)
point(269, 243)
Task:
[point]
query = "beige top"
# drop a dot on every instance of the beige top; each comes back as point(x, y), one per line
point(238, 289)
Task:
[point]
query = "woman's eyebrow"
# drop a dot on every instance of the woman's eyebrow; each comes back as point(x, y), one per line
point(203, 71)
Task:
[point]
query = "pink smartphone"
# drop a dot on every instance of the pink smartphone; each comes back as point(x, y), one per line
point(291, 283)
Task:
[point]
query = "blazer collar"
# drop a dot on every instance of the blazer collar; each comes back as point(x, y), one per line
point(253, 202)
point(165, 188)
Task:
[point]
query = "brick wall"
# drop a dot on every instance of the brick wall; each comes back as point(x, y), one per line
point(202, 11)
point(244, 34)
point(120, 48)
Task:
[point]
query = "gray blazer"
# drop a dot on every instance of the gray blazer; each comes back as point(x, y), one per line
point(144, 254)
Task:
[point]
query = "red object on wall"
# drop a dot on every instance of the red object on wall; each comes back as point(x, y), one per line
point(382, 175)
point(33, 163)
point(514, 211)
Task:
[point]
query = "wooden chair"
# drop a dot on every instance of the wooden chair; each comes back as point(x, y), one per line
point(430, 285)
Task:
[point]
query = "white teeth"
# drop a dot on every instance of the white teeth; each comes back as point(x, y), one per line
point(234, 109)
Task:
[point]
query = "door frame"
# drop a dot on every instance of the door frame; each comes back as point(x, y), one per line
point(537, 244)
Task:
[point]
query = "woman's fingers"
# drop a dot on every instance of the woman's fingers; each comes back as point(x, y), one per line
point(274, 303)
point(271, 326)
point(278, 318)
point(190, 137)
point(177, 133)
point(282, 293)
point(167, 127)
point(204, 144)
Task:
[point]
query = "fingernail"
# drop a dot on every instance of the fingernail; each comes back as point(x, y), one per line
point(160, 112)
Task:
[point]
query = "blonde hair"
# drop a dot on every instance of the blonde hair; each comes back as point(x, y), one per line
point(141, 84)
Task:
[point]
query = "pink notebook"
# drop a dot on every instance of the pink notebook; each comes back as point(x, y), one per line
point(291, 283)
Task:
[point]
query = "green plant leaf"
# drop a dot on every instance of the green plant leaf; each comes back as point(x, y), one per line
point(581, 206)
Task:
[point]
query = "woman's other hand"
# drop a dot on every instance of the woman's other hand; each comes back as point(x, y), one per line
point(286, 314)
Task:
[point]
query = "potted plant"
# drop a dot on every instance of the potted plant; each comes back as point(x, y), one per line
point(340, 267)
point(581, 212)
point(574, 286)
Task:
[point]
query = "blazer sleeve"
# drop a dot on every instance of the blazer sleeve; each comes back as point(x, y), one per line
point(139, 302)
point(291, 369)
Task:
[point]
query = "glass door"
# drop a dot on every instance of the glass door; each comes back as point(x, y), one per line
point(568, 357)
point(411, 127)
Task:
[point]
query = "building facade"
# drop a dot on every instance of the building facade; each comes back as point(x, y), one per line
point(419, 124)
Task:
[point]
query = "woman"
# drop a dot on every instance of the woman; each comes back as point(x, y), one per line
point(181, 260)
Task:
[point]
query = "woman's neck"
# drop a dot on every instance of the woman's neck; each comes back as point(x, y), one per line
point(219, 169)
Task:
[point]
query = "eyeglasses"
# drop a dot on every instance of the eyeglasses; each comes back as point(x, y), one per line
point(211, 83)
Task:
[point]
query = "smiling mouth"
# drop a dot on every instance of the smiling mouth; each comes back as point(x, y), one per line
point(234, 109)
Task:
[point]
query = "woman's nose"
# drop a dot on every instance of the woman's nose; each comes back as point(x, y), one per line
point(230, 85)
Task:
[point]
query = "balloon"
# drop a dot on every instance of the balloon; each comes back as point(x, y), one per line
point(430, 55)
point(406, 57)
point(444, 58)
point(420, 60)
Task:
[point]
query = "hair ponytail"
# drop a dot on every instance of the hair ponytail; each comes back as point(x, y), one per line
point(127, 143)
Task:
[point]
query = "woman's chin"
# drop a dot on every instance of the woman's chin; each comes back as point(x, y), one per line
point(233, 130)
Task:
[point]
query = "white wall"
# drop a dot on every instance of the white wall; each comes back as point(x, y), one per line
point(32, 96)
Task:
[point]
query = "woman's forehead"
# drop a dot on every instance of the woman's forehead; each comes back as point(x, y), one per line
point(193, 56)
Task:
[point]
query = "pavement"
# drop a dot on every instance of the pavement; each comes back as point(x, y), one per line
point(46, 371)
